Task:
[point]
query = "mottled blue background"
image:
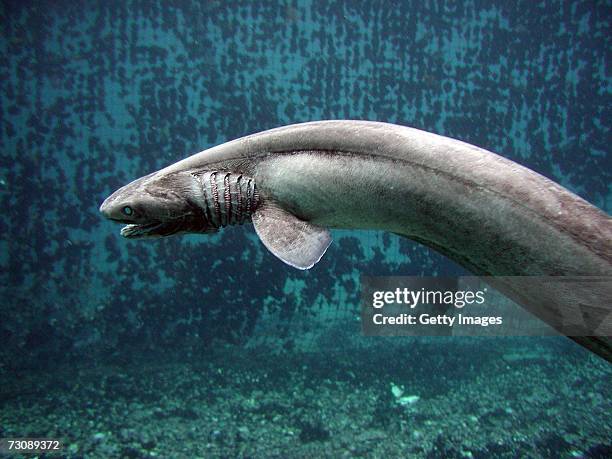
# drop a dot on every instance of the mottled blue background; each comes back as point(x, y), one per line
point(95, 94)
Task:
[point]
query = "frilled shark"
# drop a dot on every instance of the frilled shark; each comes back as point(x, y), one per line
point(487, 213)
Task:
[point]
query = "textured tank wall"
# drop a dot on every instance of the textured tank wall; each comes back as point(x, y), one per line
point(95, 95)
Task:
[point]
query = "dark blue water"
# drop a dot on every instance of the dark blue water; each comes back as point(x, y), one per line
point(210, 346)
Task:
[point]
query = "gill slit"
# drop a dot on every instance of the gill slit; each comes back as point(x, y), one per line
point(226, 199)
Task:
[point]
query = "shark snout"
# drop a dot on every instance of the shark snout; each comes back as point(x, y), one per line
point(105, 208)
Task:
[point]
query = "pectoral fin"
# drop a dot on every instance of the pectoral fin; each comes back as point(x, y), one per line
point(296, 242)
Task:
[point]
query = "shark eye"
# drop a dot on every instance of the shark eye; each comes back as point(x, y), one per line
point(127, 210)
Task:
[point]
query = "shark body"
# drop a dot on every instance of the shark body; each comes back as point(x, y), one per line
point(487, 213)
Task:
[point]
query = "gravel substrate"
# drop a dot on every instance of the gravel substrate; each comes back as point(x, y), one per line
point(476, 399)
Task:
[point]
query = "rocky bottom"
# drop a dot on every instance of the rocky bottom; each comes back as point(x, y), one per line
point(428, 398)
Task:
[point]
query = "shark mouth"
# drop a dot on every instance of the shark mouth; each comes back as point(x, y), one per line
point(156, 229)
point(135, 230)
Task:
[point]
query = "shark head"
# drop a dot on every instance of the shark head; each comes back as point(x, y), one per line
point(157, 205)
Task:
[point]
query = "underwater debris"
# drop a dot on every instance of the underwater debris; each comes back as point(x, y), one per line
point(400, 398)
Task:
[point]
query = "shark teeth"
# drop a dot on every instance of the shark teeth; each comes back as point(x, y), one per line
point(136, 231)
